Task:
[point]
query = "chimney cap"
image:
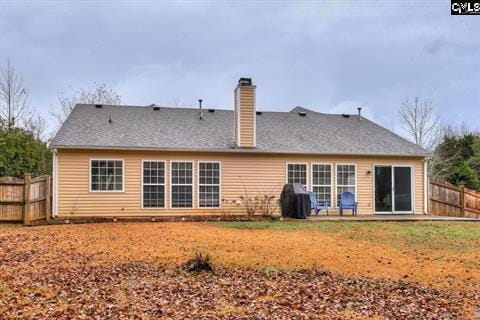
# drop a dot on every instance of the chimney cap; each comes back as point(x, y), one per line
point(245, 82)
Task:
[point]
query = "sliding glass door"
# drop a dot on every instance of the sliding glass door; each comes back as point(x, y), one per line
point(383, 189)
point(402, 189)
point(393, 189)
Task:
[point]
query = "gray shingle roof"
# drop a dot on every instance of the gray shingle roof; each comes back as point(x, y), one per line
point(180, 128)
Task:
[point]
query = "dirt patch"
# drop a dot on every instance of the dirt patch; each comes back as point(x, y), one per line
point(38, 262)
point(174, 243)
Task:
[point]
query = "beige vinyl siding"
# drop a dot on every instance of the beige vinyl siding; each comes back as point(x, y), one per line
point(245, 111)
point(418, 186)
point(235, 117)
point(247, 117)
point(240, 173)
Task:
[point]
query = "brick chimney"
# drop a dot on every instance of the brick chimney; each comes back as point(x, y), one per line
point(244, 115)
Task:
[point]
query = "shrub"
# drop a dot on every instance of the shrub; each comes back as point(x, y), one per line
point(21, 152)
point(267, 205)
point(199, 263)
point(226, 207)
point(250, 204)
point(262, 203)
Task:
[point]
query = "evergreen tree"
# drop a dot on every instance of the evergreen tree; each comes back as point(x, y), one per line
point(457, 159)
point(21, 152)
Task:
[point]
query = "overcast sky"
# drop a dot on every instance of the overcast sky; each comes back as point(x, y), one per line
point(327, 56)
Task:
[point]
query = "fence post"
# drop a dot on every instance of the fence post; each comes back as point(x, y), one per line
point(462, 200)
point(26, 198)
point(429, 196)
point(48, 202)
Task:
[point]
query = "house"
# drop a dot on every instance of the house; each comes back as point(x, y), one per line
point(112, 161)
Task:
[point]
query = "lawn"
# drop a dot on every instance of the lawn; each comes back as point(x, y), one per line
point(263, 270)
point(440, 235)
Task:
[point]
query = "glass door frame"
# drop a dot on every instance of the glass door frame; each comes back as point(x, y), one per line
point(412, 188)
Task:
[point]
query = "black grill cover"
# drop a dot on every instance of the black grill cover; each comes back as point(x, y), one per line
point(295, 201)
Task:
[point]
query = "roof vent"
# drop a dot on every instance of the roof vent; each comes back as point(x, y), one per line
point(109, 119)
point(259, 113)
point(200, 108)
point(156, 108)
point(302, 114)
point(211, 110)
point(98, 106)
point(345, 115)
point(359, 113)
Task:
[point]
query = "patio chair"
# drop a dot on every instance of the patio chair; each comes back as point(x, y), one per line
point(347, 201)
point(317, 206)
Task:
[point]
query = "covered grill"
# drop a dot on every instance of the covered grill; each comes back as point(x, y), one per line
point(295, 201)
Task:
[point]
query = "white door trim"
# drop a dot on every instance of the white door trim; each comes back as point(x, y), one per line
point(412, 189)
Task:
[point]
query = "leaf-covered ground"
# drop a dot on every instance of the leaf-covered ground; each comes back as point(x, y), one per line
point(133, 271)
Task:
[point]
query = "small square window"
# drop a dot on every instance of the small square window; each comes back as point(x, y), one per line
point(106, 175)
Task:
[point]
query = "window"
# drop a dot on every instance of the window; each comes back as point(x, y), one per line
point(209, 184)
point(322, 182)
point(153, 184)
point(106, 175)
point(297, 173)
point(345, 180)
point(182, 184)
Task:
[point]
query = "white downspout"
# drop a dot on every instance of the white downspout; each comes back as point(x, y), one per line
point(55, 184)
point(425, 186)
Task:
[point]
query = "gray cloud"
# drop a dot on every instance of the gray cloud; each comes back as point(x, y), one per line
point(329, 56)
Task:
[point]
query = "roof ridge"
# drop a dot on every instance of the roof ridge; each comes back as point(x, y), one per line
point(211, 107)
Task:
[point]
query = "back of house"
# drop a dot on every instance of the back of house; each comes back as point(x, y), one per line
point(133, 161)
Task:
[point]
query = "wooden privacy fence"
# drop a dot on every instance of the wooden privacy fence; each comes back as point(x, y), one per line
point(445, 199)
point(25, 200)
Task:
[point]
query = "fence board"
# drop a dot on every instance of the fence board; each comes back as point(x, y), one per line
point(27, 200)
point(11, 199)
point(472, 203)
point(445, 199)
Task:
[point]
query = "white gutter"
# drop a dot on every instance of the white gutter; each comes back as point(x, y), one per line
point(243, 150)
point(55, 184)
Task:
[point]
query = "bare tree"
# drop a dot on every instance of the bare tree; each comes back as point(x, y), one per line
point(38, 126)
point(449, 129)
point(13, 98)
point(419, 120)
point(100, 94)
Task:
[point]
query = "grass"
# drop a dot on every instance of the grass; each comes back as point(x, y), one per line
point(450, 236)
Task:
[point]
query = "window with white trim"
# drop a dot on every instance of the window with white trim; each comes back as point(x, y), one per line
point(181, 184)
point(297, 173)
point(209, 184)
point(322, 182)
point(106, 175)
point(153, 176)
point(345, 179)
